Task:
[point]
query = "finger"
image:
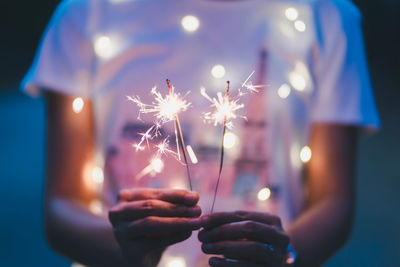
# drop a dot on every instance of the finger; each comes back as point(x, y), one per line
point(129, 211)
point(153, 226)
point(255, 252)
point(215, 219)
point(250, 230)
point(221, 262)
point(177, 196)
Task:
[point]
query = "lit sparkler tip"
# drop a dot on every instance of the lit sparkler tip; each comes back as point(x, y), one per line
point(169, 86)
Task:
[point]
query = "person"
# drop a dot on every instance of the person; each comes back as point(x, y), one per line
point(288, 174)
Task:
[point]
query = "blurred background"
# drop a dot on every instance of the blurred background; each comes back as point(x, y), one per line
point(376, 235)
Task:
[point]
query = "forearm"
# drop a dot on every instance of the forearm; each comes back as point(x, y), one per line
point(322, 229)
point(79, 235)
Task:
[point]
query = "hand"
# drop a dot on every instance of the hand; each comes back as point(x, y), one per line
point(248, 239)
point(146, 221)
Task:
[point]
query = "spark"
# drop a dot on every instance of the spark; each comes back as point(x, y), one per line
point(248, 85)
point(165, 108)
point(225, 110)
point(163, 148)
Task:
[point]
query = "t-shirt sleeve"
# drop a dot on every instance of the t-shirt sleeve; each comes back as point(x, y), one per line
point(343, 88)
point(63, 60)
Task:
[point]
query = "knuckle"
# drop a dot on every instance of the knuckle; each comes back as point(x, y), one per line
point(122, 194)
point(276, 220)
point(241, 214)
point(147, 220)
point(157, 194)
point(148, 204)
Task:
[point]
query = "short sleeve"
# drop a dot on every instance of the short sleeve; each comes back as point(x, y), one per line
point(63, 60)
point(343, 88)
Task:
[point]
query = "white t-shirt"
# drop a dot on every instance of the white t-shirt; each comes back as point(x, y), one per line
point(314, 69)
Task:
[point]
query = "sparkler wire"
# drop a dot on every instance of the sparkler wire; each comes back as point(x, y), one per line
point(181, 143)
point(221, 163)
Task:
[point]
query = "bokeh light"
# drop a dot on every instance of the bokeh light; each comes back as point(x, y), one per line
point(264, 194)
point(291, 13)
point(300, 25)
point(77, 105)
point(98, 175)
point(305, 154)
point(297, 81)
point(96, 207)
point(230, 140)
point(190, 23)
point(103, 46)
point(157, 165)
point(284, 91)
point(218, 71)
point(176, 262)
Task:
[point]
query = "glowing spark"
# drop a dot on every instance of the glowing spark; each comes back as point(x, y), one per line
point(249, 85)
point(163, 148)
point(165, 108)
point(224, 109)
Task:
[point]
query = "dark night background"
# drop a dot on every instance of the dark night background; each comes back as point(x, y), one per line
point(376, 235)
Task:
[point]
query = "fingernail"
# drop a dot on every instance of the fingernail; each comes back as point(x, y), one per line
point(195, 211)
point(192, 196)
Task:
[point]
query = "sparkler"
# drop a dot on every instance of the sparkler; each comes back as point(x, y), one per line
point(180, 135)
point(165, 109)
point(224, 114)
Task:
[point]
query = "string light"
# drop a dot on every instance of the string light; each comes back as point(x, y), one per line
point(96, 207)
point(264, 194)
point(190, 23)
point(229, 140)
point(103, 46)
point(300, 25)
point(77, 105)
point(305, 154)
point(284, 91)
point(291, 13)
point(297, 81)
point(98, 175)
point(218, 71)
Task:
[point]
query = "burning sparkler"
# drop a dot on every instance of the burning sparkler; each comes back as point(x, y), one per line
point(165, 109)
point(224, 114)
